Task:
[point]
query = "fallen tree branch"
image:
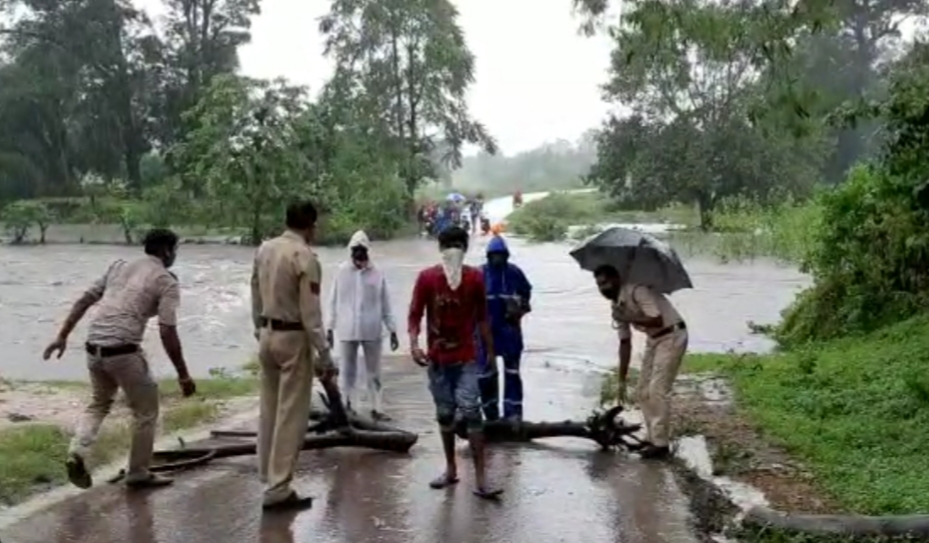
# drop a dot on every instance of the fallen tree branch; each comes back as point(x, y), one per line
point(338, 428)
point(191, 457)
point(606, 429)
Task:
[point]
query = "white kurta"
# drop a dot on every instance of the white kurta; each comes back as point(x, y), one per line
point(359, 304)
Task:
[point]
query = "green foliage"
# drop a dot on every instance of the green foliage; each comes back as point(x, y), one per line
point(855, 411)
point(406, 63)
point(785, 230)
point(125, 122)
point(552, 166)
point(870, 258)
point(20, 216)
point(547, 219)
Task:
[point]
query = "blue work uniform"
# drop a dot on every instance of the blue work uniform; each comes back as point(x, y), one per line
point(501, 283)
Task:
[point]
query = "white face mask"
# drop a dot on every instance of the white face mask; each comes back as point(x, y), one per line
point(452, 262)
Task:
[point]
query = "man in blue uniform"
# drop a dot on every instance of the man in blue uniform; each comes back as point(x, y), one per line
point(508, 296)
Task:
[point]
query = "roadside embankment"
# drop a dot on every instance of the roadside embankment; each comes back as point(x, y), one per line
point(837, 427)
point(37, 420)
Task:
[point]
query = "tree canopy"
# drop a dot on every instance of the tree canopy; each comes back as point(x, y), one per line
point(99, 100)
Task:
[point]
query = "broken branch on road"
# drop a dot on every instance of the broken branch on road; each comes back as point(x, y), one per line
point(334, 427)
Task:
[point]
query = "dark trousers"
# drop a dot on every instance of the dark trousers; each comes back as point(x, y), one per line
point(512, 389)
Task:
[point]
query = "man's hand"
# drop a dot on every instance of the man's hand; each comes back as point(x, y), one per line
point(329, 338)
point(188, 387)
point(327, 373)
point(326, 369)
point(60, 344)
point(394, 341)
point(419, 356)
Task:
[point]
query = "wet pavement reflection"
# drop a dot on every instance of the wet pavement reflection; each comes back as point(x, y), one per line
point(559, 490)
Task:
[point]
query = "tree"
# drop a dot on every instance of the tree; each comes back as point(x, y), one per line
point(20, 216)
point(245, 149)
point(201, 39)
point(692, 84)
point(407, 65)
point(86, 62)
point(553, 165)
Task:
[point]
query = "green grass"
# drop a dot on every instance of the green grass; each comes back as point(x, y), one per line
point(32, 454)
point(780, 536)
point(742, 231)
point(855, 411)
point(548, 219)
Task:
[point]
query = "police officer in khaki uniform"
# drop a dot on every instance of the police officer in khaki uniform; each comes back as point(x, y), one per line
point(128, 295)
point(650, 312)
point(288, 322)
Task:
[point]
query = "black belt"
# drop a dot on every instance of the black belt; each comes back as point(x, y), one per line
point(668, 330)
point(109, 351)
point(281, 326)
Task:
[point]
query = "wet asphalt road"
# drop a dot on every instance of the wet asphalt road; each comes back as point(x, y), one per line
point(560, 490)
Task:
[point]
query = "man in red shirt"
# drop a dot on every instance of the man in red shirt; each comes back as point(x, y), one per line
point(452, 298)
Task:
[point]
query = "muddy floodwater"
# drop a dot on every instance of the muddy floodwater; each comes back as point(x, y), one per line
point(569, 324)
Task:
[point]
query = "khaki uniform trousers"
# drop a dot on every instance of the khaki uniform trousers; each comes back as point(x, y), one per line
point(129, 372)
point(660, 364)
point(286, 388)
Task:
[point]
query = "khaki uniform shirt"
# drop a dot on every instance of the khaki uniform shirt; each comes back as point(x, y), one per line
point(286, 281)
point(129, 294)
point(638, 301)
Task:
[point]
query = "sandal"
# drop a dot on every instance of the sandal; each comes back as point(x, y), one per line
point(442, 481)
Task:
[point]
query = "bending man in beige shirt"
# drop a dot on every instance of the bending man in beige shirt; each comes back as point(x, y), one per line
point(129, 294)
point(288, 322)
point(650, 312)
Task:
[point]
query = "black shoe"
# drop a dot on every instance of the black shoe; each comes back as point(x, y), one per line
point(653, 452)
point(292, 501)
point(152, 481)
point(77, 471)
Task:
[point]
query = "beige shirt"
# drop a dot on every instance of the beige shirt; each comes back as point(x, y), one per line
point(638, 301)
point(129, 294)
point(286, 281)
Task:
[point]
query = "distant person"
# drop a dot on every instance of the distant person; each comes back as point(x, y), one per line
point(508, 297)
point(477, 211)
point(359, 310)
point(452, 298)
point(467, 221)
point(650, 312)
point(128, 295)
point(443, 220)
point(288, 322)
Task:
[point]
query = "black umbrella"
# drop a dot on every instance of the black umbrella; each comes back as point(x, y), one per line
point(639, 257)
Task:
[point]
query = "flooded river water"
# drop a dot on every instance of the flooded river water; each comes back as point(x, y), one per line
point(569, 324)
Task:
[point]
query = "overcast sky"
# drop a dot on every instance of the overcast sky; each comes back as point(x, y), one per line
point(537, 79)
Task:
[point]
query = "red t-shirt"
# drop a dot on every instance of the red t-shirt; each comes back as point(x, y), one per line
point(452, 316)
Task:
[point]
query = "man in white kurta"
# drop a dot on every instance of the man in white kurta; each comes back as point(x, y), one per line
point(359, 309)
